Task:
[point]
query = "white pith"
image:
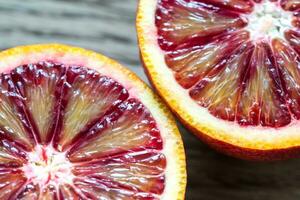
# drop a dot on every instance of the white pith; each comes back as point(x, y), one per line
point(53, 170)
point(268, 20)
point(253, 137)
point(175, 174)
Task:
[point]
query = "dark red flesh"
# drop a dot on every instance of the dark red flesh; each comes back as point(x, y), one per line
point(105, 115)
point(254, 82)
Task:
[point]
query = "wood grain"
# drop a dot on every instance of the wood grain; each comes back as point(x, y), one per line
point(107, 26)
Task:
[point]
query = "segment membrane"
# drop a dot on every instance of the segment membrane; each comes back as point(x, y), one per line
point(179, 20)
point(88, 96)
point(133, 129)
point(262, 101)
point(220, 89)
point(13, 122)
point(138, 171)
point(40, 85)
point(288, 62)
point(191, 64)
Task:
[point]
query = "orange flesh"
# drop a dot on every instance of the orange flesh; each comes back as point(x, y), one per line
point(238, 73)
point(76, 135)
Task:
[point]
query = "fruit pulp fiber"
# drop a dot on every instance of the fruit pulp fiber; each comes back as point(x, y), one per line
point(68, 132)
point(239, 59)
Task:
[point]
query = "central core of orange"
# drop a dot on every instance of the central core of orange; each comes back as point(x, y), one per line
point(268, 19)
point(48, 166)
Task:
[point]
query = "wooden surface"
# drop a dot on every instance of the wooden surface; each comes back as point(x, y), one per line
point(107, 26)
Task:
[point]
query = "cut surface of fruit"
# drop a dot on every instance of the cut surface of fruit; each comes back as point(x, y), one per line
point(230, 71)
point(77, 125)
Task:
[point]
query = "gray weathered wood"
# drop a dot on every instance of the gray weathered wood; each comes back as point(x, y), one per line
point(107, 26)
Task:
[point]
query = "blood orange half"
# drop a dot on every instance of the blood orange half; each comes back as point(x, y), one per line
point(229, 69)
point(77, 125)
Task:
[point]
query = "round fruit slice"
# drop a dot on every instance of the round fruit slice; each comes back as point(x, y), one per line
point(229, 69)
point(76, 125)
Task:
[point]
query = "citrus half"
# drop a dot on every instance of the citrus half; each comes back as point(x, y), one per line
point(77, 125)
point(229, 69)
